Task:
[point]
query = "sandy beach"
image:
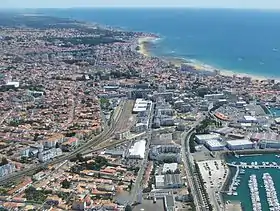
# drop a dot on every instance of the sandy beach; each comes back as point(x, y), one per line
point(143, 41)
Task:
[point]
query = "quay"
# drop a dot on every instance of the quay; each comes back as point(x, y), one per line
point(233, 183)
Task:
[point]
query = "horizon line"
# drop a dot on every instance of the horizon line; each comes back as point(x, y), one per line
point(141, 7)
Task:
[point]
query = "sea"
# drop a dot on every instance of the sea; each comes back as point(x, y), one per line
point(243, 41)
point(243, 189)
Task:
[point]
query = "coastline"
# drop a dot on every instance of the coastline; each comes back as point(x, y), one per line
point(142, 44)
point(196, 65)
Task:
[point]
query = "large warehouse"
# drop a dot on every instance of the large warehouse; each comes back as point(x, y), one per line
point(141, 105)
point(137, 151)
point(202, 138)
point(214, 145)
point(240, 144)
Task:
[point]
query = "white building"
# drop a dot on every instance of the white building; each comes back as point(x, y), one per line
point(141, 105)
point(169, 167)
point(137, 151)
point(248, 119)
point(201, 139)
point(7, 169)
point(159, 181)
point(213, 97)
point(13, 83)
point(214, 145)
point(49, 154)
point(240, 144)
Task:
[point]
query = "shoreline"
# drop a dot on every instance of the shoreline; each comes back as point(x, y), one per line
point(142, 42)
point(196, 65)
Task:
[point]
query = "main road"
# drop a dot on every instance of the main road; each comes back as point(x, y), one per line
point(188, 164)
point(107, 133)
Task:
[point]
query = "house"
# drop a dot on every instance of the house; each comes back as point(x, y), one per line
point(71, 143)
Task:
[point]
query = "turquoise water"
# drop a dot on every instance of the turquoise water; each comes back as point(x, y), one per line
point(243, 190)
point(239, 40)
point(275, 111)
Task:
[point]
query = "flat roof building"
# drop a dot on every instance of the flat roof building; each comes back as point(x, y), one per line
point(137, 151)
point(141, 105)
point(169, 167)
point(168, 181)
point(204, 137)
point(240, 144)
point(214, 145)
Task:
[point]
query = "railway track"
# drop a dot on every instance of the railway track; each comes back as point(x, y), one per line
point(104, 136)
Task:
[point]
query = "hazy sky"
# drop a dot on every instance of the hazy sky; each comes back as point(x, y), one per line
point(259, 4)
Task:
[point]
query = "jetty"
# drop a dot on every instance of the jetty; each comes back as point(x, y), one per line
point(255, 165)
point(254, 193)
point(234, 183)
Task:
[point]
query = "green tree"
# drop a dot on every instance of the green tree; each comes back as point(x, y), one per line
point(4, 161)
point(65, 184)
point(128, 208)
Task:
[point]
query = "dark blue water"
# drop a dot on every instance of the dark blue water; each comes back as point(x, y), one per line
point(246, 41)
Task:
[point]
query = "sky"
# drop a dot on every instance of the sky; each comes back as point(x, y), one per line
point(254, 4)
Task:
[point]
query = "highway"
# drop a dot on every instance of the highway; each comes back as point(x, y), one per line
point(102, 137)
point(188, 163)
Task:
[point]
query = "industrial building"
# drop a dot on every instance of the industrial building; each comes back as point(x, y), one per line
point(141, 105)
point(269, 144)
point(240, 144)
point(168, 181)
point(114, 153)
point(269, 137)
point(248, 119)
point(137, 151)
point(214, 145)
point(169, 167)
point(202, 138)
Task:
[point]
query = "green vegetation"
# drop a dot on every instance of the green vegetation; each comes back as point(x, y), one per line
point(4, 161)
point(128, 208)
point(202, 128)
point(204, 192)
point(192, 143)
point(32, 194)
point(98, 163)
point(65, 184)
point(3, 191)
point(91, 41)
point(104, 103)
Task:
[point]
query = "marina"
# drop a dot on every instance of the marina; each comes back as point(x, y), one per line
point(271, 193)
point(254, 193)
point(254, 176)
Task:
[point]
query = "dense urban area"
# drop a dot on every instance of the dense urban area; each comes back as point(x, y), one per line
point(90, 123)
